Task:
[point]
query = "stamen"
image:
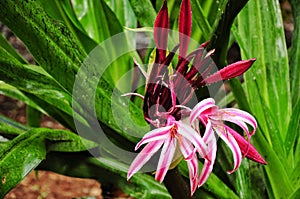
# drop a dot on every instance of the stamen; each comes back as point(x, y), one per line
point(210, 53)
point(182, 106)
point(134, 94)
point(140, 68)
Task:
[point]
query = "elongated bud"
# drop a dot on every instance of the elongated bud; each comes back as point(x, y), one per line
point(161, 26)
point(230, 71)
point(247, 149)
point(185, 27)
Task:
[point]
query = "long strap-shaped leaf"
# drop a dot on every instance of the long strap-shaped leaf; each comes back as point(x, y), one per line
point(144, 11)
point(295, 53)
point(19, 156)
point(264, 39)
point(63, 11)
point(40, 87)
point(50, 42)
point(267, 85)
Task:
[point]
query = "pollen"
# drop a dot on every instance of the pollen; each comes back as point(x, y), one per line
point(173, 131)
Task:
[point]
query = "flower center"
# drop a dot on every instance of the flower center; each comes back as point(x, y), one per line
point(173, 131)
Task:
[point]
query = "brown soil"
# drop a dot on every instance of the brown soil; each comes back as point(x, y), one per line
point(49, 185)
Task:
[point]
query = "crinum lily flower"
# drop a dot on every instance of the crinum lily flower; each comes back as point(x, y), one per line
point(174, 134)
point(213, 119)
point(167, 93)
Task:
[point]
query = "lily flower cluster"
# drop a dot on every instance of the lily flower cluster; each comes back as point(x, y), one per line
point(177, 127)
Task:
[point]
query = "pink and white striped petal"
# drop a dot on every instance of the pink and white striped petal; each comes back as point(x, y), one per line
point(208, 163)
point(209, 133)
point(154, 135)
point(240, 123)
point(226, 136)
point(209, 138)
point(201, 107)
point(235, 115)
point(192, 164)
point(191, 159)
point(143, 157)
point(165, 159)
point(191, 135)
point(186, 148)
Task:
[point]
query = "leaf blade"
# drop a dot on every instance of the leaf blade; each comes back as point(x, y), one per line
point(43, 36)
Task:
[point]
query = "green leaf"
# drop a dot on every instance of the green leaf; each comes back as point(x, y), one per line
point(201, 20)
point(95, 19)
point(296, 194)
point(275, 137)
point(293, 129)
point(257, 184)
point(226, 101)
point(46, 93)
point(122, 9)
point(41, 86)
point(144, 12)
point(243, 180)
point(65, 141)
point(297, 150)
point(239, 94)
point(144, 29)
point(280, 182)
point(33, 117)
point(277, 176)
point(268, 88)
point(62, 10)
point(7, 46)
point(295, 54)
point(149, 188)
point(49, 41)
point(94, 95)
point(295, 174)
point(271, 70)
point(226, 13)
point(19, 156)
point(10, 128)
point(15, 93)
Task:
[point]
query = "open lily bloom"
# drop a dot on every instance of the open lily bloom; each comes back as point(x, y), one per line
point(213, 119)
point(174, 134)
